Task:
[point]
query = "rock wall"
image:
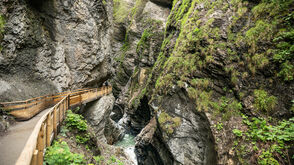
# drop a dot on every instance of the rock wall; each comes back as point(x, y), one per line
point(197, 71)
point(139, 51)
point(54, 45)
point(136, 53)
point(225, 56)
point(98, 116)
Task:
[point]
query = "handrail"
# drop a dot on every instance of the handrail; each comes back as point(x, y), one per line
point(47, 127)
point(35, 98)
point(24, 110)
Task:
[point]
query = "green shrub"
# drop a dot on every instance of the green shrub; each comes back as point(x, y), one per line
point(259, 129)
point(264, 102)
point(59, 154)
point(227, 107)
point(83, 138)
point(237, 132)
point(219, 126)
point(75, 121)
point(275, 138)
point(266, 158)
point(284, 54)
point(98, 159)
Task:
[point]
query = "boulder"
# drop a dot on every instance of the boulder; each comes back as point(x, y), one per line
point(98, 116)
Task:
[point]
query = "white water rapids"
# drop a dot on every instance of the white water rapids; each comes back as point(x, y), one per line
point(128, 144)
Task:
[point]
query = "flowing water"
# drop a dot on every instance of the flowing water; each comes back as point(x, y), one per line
point(128, 144)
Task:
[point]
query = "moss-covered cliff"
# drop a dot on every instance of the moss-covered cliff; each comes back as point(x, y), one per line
point(234, 60)
point(199, 81)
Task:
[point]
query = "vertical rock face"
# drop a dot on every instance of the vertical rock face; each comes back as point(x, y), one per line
point(225, 56)
point(136, 52)
point(185, 131)
point(181, 136)
point(98, 116)
point(189, 140)
point(64, 44)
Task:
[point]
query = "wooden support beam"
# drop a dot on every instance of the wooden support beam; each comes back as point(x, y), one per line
point(48, 130)
point(35, 158)
point(55, 121)
point(41, 145)
point(61, 112)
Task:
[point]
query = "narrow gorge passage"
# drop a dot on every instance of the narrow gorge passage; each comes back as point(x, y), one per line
point(194, 81)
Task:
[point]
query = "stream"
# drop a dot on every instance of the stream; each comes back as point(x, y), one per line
point(128, 144)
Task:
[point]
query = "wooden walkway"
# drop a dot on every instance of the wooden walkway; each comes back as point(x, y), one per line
point(25, 142)
point(13, 142)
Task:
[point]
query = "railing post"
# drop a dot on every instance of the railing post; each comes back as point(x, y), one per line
point(55, 121)
point(41, 145)
point(26, 105)
point(60, 112)
point(48, 130)
point(64, 108)
point(34, 160)
point(68, 102)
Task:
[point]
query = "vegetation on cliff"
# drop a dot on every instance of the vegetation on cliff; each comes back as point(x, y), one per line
point(2, 23)
point(77, 145)
point(230, 56)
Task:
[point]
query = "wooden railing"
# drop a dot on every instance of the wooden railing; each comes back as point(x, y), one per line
point(47, 127)
point(24, 110)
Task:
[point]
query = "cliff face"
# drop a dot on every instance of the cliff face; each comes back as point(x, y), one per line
point(138, 34)
point(199, 81)
point(233, 61)
point(63, 44)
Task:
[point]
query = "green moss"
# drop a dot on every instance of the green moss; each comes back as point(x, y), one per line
point(104, 2)
point(2, 24)
point(142, 44)
point(203, 98)
point(269, 14)
point(120, 11)
point(201, 83)
point(226, 107)
point(138, 8)
point(261, 32)
point(168, 123)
